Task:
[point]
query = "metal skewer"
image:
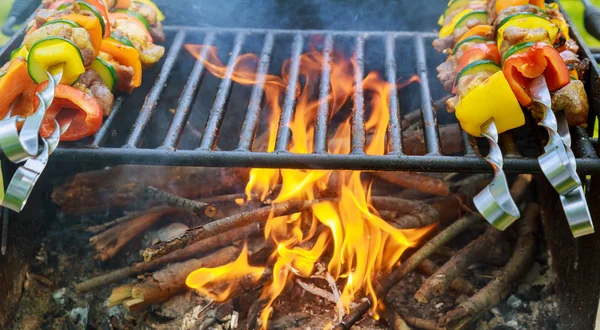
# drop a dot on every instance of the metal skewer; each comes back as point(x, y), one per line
point(494, 202)
point(558, 162)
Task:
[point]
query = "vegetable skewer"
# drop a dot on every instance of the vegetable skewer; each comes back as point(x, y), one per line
point(524, 33)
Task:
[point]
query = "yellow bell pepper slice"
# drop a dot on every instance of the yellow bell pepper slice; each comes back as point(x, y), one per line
point(492, 99)
point(529, 22)
point(51, 54)
point(448, 29)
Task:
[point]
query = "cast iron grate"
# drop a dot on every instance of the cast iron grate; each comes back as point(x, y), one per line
point(123, 141)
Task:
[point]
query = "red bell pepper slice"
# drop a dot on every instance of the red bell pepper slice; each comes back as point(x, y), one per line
point(542, 58)
point(87, 120)
point(488, 51)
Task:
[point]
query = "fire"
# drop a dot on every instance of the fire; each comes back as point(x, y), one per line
point(346, 233)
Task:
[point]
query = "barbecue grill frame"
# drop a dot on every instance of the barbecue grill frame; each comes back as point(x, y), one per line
point(395, 159)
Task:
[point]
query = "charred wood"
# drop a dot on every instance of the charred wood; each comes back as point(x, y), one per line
point(460, 284)
point(498, 288)
point(195, 208)
point(407, 214)
point(441, 280)
point(180, 255)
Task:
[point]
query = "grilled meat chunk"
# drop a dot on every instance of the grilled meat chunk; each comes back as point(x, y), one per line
point(150, 14)
point(91, 83)
point(574, 63)
point(572, 99)
point(124, 73)
point(443, 45)
point(79, 37)
point(447, 74)
point(465, 85)
point(149, 52)
point(491, 9)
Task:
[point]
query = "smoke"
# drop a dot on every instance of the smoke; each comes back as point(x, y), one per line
point(370, 15)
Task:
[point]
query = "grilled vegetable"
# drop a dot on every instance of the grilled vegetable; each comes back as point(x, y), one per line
point(87, 120)
point(479, 52)
point(51, 54)
point(19, 52)
point(98, 13)
point(159, 15)
point(133, 14)
point(503, 4)
point(106, 72)
point(448, 29)
point(15, 83)
point(478, 30)
point(492, 99)
point(125, 55)
point(540, 59)
point(480, 15)
point(135, 20)
point(472, 39)
point(527, 21)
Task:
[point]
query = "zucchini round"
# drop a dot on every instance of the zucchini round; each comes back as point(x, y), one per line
point(48, 52)
point(517, 49)
point(475, 39)
point(478, 66)
point(139, 16)
point(481, 15)
point(527, 21)
point(122, 39)
point(106, 72)
point(21, 51)
point(63, 21)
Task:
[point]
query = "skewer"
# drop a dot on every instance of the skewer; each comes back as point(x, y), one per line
point(558, 162)
point(494, 202)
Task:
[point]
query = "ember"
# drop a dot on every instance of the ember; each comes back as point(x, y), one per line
point(347, 232)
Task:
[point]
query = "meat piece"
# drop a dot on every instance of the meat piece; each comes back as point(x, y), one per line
point(515, 35)
point(145, 10)
point(55, 30)
point(91, 83)
point(491, 9)
point(574, 63)
point(441, 44)
point(572, 46)
point(81, 39)
point(471, 5)
point(464, 85)
point(149, 52)
point(573, 100)
point(447, 74)
point(157, 32)
point(124, 73)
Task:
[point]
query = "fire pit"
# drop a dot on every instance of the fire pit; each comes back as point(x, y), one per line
point(283, 227)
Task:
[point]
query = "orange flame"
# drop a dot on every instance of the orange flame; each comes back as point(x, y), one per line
point(360, 243)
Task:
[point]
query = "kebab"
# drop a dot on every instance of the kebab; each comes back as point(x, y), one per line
point(493, 63)
point(74, 56)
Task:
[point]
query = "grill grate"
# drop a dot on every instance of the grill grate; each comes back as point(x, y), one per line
point(134, 149)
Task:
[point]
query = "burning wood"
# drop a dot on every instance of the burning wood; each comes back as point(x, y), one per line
point(195, 208)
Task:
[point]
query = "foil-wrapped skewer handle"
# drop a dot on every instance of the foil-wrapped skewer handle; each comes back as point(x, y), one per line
point(558, 162)
point(494, 202)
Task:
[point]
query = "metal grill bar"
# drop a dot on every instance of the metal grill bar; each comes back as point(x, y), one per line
point(254, 105)
point(324, 90)
point(187, 97)
point(149, 107)
point(209, 138)
point(302, 161)
point(102, 133)
point(358, 117)
point(283, 133)
point(394, 127)
point(432, 140)
point(469, 152)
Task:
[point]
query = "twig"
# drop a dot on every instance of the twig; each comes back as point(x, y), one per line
point(311, 288)
point(440, 281)
point(192, 207)
point(180, 255)
point(416, 181)
point(460, 284)
point(498, 288)
point(420, 323)
point(111, 241)
point(127, 217)
point(415, 214)
point(226, 224)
